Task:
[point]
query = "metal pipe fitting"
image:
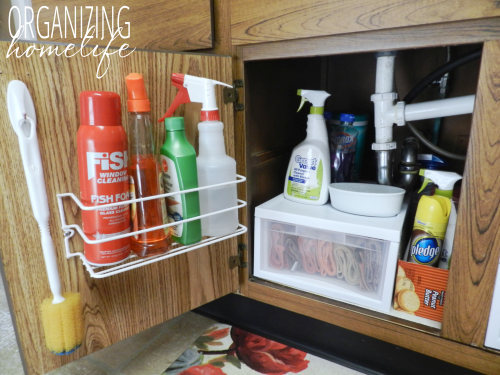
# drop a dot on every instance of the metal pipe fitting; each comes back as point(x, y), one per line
point(409, 166)
point(384, 166)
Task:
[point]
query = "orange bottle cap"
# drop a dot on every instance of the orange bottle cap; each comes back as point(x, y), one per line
point(210, 115)
point(138, 99)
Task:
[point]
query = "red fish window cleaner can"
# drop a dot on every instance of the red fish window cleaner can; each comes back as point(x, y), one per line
point(103, 171)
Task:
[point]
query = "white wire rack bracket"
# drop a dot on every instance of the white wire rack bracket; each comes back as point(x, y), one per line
point(133, 261)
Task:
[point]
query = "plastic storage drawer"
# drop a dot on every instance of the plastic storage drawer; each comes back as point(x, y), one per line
point(327, 252)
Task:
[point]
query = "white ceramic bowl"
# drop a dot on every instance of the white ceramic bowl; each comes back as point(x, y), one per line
point(366, 199)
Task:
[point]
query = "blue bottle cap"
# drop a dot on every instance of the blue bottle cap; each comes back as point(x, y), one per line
point(357, 117)
point(327, 115)
point(430, 161)
point(345, 117)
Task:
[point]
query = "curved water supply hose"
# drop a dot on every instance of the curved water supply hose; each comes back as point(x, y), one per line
point(441, 71)
point(425, 82)
point(438, 150)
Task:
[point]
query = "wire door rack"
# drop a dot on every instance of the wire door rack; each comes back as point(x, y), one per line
point(133, 261)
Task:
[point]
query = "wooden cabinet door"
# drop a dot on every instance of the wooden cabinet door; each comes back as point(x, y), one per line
point(121, 305)
point(476, 247)
point(166, 25)
point(258, 21)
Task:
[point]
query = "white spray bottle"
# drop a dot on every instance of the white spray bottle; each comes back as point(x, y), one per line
point(214, 166)
point(445, 182)
point(308, 173)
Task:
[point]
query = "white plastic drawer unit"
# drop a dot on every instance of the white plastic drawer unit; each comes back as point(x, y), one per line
point(320, 250)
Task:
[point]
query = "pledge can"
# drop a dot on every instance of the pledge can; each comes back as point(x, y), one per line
point(429, 230)
point(103, 171)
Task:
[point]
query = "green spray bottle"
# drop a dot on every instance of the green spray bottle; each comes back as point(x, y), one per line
point(178, 161)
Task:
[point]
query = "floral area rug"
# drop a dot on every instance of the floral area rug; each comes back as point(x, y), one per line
point(226, 350)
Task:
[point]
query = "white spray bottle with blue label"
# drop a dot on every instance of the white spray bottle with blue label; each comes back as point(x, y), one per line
point(308, 173)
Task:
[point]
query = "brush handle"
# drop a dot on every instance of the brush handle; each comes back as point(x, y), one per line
point(33, 170)
point(51, 263)
point(23, 119)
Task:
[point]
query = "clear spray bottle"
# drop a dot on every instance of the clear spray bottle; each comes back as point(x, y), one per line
point(145, 175)
point(213, 164)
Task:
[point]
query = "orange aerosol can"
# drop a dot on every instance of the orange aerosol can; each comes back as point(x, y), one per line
point(103, 170)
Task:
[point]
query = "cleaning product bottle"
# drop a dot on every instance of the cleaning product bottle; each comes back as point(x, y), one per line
point(445, 182)
point(213, 165)
point(178, 160)
point(145, 175)
point(343, 144)
point(431, 161)
point(102, 166)
point(361, 125)
point(308, 173)
point(429, 230)
point(426, 161)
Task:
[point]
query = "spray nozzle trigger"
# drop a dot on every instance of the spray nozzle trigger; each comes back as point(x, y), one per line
point(302, 101)
point(426, 182)
point(195, 90)
point(443, 180)
point(316, 98)
point(181, 97)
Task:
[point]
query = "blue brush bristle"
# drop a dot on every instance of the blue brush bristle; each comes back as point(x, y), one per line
point(66, 353)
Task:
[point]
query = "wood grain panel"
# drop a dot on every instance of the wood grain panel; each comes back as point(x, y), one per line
point(259, 21)
point(476, 248)
point(221, 36)
point(241, 165)
point(452, 33)
point(433, 346)
point(167, 25)
point(121, 305)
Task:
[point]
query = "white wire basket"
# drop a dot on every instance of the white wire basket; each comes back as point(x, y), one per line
point(133, 261)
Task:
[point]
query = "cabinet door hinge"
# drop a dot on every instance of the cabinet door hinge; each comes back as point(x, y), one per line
point(237, 260)
point(231, 95)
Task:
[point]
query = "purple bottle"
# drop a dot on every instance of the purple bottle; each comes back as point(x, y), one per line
point(343, 141)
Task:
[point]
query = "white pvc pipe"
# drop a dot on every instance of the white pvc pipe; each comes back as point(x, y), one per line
point(383, 134)
point(440, 108)
point(385, 74)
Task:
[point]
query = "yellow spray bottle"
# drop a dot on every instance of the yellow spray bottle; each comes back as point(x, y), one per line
point(445, 182)
point(432, 237)
point(429, 230)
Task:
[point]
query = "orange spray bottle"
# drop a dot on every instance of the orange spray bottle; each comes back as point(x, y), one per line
point(145, 175)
